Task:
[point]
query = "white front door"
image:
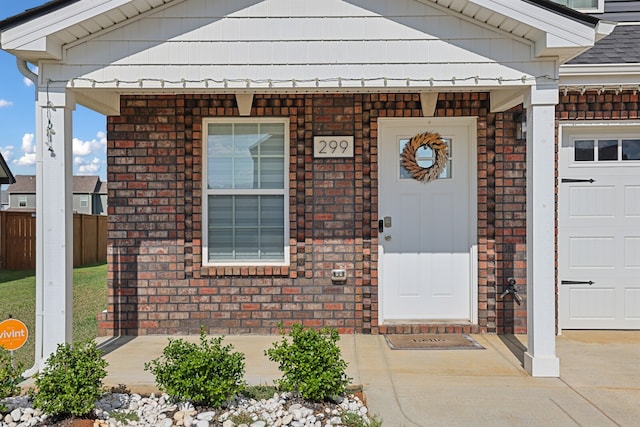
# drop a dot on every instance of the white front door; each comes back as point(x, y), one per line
point(427, 245)
point(599, 227)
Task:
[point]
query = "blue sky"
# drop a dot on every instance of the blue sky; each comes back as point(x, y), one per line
point(17, 117)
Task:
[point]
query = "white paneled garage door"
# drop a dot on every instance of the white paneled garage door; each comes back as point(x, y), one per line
point(599, 227)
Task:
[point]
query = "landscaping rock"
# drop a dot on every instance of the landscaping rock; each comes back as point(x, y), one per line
point(123, 410)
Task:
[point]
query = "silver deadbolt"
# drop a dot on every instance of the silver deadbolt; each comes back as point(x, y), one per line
point(387, 222)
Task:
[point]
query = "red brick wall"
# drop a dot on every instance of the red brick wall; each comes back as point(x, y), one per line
point(509, 214)
point(596, 105)
point(157, 283)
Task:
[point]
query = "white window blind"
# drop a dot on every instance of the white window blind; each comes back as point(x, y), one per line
point(246, 182)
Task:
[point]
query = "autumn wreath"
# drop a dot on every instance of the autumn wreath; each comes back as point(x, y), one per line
point(426, 139)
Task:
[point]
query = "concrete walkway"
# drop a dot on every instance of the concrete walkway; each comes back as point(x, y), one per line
point(599, 383)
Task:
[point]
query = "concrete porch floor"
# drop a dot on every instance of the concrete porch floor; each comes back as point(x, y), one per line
point(599, 383)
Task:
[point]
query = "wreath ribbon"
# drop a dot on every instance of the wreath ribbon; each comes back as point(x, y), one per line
point(409, 162)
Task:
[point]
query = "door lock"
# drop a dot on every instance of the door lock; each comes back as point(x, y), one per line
point(385, 222)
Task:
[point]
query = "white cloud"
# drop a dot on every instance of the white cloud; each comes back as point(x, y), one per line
point(81, 148)
point(90, 168)
point(7, 152)
point(27, 143)
point(29, 150)
point(27, 82)
point(28, 159)
point(84, 148)
point(5, 103)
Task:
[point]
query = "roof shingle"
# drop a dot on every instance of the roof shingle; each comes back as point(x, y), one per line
point(619, 47)
point(26, 184)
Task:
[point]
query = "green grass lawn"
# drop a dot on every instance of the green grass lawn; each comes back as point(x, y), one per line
point(18, 299)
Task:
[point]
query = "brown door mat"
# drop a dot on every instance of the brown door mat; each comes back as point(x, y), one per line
point(432, 342)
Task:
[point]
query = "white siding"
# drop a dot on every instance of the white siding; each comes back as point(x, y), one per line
point(301, 39)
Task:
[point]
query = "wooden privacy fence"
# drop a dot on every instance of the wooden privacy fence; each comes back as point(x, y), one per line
point(18, 239)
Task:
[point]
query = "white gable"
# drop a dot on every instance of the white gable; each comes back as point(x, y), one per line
point(277, 40)
point(303, 45)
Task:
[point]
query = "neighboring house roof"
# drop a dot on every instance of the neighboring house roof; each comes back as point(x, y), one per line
point(620, 47)
point(6, 177)
point(26, 184)
point(86, 184)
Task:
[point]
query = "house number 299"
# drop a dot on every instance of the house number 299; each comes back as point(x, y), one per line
point(332, 146)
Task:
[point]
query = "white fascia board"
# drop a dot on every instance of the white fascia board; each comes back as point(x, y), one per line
point(603, 70)
point(561, 32)
point(37, 49)
point(600, 75)
point(550, 45)
point(35, 31)
point(604, 28)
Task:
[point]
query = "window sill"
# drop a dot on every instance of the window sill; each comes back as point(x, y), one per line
point(245, 270)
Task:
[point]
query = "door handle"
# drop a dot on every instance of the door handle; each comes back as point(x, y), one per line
point(381, 226)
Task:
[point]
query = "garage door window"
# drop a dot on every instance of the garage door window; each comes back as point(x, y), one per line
point(606, 150)
point(631, 149)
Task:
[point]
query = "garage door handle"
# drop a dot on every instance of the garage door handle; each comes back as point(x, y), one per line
point(578, 180)
point(576, 282)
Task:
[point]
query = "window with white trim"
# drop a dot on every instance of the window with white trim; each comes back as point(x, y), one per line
point(591, 6)
point(245, 182)
point(84, 201)
point(22, 201)
point(606, 149)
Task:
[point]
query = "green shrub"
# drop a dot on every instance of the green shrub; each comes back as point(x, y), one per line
point(206, 374)
point(311, 363)
point(10, 375)
point(71, 381)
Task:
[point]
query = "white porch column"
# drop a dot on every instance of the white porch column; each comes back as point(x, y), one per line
point(54, 220)
point(540, 360)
